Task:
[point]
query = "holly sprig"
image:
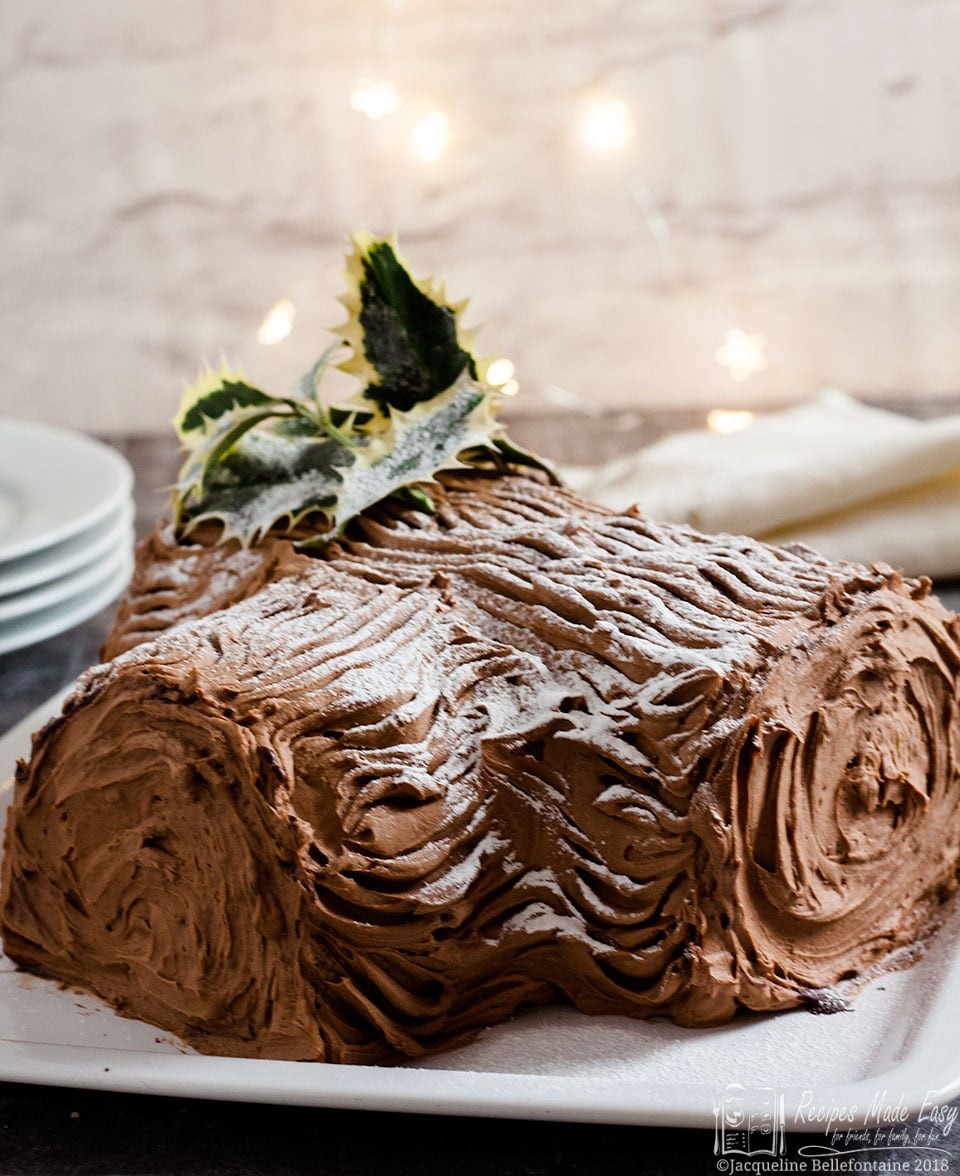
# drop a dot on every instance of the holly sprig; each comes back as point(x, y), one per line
point(256, 462)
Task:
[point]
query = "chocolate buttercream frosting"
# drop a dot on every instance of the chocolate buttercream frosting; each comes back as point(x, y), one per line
point(356, 807)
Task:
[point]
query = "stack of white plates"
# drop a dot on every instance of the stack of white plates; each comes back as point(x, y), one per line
point(66, 530)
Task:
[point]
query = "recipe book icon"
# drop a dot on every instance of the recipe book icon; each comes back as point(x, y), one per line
point(748, 1121)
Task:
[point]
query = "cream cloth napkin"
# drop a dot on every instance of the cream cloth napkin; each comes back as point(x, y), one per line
point(854, 482)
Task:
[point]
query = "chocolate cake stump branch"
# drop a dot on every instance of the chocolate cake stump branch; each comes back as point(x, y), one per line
point(356, 805)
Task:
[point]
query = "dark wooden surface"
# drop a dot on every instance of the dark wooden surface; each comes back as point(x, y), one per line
point(52, 1131)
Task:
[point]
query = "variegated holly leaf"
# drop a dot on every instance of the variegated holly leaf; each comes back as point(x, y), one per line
point(257, 462)
point(215, 415)
point(406, 340)
point(212, 446)
point(417, 446)
point(272, 481)
point(215, 394)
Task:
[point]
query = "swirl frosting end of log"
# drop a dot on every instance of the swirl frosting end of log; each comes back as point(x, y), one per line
point(358, 807)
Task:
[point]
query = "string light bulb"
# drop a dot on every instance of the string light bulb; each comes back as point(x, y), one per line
point(604, 125)
point(499, 375)
point(375, 99)
point(499, 372)
point(431, 136)
point(277, 324)
point(742, 354)
point(728, 420)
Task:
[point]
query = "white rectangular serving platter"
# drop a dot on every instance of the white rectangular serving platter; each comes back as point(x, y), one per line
point(898, 1049)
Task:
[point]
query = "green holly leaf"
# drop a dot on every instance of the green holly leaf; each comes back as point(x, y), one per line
point(416, 497)
point(515, 455)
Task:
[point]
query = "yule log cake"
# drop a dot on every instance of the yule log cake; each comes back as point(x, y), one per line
point(372, 766)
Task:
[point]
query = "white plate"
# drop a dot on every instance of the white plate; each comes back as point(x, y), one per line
point(58, 618)
point(899, 1048)
point(62, 558)
point(73, 586)
point(54, 484)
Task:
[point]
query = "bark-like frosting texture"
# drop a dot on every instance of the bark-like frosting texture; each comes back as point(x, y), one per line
point(522, 751)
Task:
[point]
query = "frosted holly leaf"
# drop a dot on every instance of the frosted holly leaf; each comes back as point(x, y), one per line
point(210, 448)
point(417, 446)
point(272, 481)
point(256, 462)
point(215, 415)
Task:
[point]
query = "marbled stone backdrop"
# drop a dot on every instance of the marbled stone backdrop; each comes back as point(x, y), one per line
point(170, 171)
